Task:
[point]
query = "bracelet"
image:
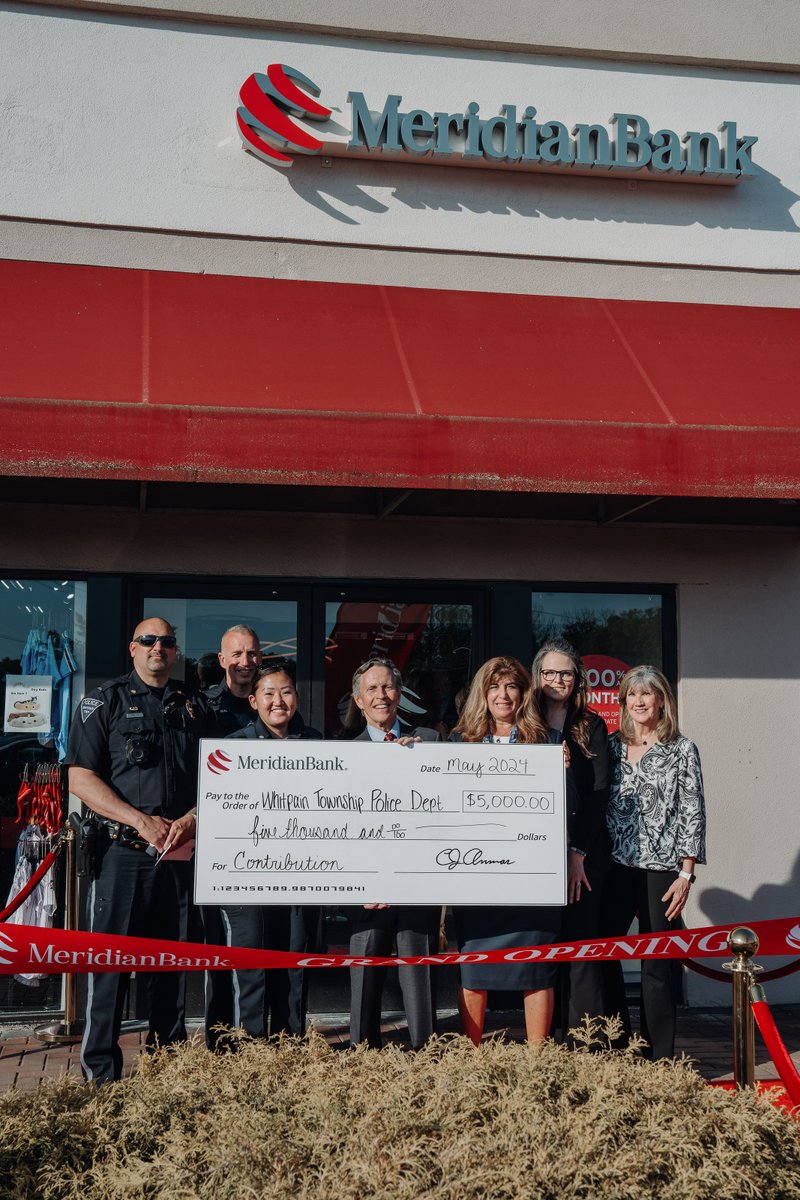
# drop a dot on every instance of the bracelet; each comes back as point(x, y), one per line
point(687, 875)
point(575, 850)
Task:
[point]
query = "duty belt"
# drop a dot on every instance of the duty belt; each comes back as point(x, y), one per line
point(124, 835)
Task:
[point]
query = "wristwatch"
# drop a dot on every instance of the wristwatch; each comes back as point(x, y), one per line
point(687, 875)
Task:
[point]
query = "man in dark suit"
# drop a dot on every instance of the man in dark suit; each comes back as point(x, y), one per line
point(378, 929)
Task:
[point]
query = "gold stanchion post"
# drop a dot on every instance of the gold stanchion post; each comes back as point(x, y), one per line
point(743, 944)
point(70, 1029)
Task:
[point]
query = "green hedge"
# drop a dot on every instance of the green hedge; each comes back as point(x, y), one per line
point(301, 1120)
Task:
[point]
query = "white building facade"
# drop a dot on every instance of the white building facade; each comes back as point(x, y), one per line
point(498, 354)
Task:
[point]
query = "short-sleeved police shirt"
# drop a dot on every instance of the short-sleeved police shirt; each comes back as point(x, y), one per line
point(228, 711)
point(144, 745)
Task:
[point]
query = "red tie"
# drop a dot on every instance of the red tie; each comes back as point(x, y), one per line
point(390, 737)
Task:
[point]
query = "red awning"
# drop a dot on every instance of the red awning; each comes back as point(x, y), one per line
point(161, 376)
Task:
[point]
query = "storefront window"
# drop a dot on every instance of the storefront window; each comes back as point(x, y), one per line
point(42, 655)
point(200, 625)
point(430, 643)
point(611, 631)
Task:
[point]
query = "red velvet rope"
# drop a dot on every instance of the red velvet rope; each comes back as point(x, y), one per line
point(22, 895)
point(777, 1050)
point(725, 976)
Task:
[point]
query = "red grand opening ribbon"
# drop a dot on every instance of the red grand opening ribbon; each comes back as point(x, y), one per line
point(26, 949)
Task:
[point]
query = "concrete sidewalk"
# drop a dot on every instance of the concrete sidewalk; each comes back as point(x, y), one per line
point(704, 1035)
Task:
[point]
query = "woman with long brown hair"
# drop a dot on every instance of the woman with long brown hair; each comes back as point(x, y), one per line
point(495, 711)
point(559, 699)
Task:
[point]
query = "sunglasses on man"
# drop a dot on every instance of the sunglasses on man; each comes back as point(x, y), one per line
point(148, 640)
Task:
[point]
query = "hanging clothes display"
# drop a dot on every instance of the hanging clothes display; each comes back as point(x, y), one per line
point(51, 653)
point(38, 908)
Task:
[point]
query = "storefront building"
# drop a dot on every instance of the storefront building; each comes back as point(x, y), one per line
point(434, 335)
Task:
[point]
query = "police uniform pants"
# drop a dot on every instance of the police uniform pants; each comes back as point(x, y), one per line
point(260, 999)
point(132, 895)
point(413, 930)
point(218, 984)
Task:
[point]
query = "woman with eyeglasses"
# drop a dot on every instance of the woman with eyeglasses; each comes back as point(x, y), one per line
point(657, 823)
point(495, 711)
point(559, 698)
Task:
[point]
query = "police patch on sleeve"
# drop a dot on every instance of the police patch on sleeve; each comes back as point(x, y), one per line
point(88, 706)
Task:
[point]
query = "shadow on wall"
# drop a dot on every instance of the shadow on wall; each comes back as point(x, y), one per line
point(760, 203)
point(769, 901)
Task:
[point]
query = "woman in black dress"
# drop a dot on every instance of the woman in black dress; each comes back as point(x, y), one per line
point(495, 711)
point(560, 700)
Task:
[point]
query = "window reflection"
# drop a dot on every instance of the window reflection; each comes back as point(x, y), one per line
point(611, 631)
point(42, 655)
point(430, 643)
point(200, 625)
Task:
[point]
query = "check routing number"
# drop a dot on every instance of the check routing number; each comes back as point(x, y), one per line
point(353, 823)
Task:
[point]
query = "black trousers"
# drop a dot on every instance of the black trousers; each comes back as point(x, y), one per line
point(632, 890)
point(260, 998)
point(133, 896)
point(412, 930)
point(218, 984)
point(579, 988)
point(305, 937)
point(285, 1000)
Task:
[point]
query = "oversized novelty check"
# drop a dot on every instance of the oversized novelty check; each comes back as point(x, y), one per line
point(295, 822)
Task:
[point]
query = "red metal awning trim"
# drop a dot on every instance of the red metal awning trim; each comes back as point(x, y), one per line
point(143, 375)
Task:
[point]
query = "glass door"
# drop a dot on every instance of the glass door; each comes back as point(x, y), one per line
point(279, 614)
point(431, 635)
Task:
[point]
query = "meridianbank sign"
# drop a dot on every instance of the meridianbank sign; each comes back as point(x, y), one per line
point(280, 117)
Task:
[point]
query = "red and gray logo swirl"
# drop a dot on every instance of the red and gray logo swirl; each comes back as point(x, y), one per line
point(265, 116)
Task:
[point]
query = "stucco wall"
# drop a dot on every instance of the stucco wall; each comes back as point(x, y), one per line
point(136, 129)
point(717, 31)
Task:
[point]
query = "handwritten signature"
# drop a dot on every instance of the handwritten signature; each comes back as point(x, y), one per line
point(454, 857)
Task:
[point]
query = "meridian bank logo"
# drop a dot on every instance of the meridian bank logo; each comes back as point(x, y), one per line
point(218, 762)
point(268, 104)
point(516, 137)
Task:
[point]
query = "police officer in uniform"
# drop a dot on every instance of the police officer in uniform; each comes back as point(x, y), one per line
point(229, 700)
point(229, 710)
point(132, 760)
point(274, 1000)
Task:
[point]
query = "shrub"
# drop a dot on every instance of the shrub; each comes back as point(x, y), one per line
point(298, 1119)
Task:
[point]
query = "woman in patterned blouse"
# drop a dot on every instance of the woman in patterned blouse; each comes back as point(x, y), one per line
point(657, 824)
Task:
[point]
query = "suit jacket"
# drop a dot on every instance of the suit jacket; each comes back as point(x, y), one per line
point(427, 735)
